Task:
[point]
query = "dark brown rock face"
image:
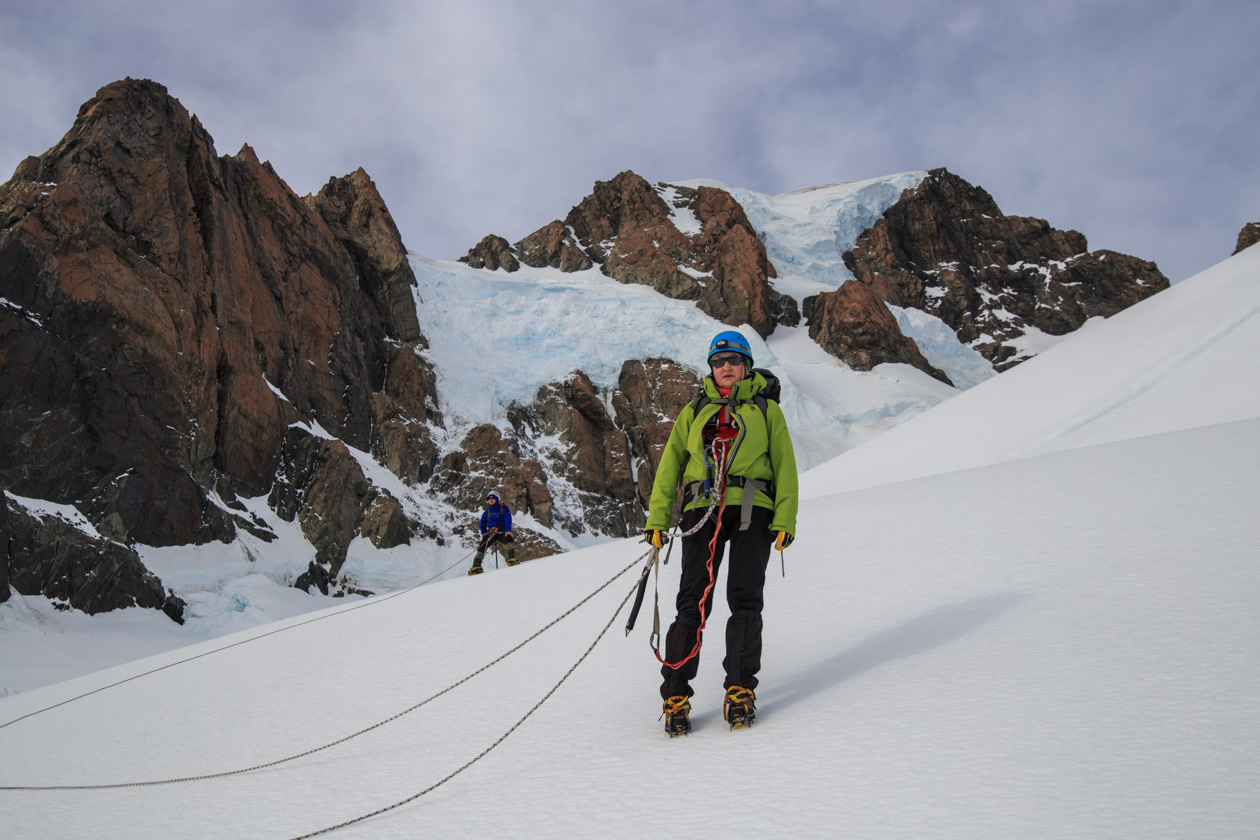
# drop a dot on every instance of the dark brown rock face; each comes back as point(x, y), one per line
point(47, 555)
point(854, 325)
point(566, 460)
point(172, 313)
point(6, 533)
point(1248, 236)
point(493, 253)
point(947, 249)
point(585, 451)
point(553, 246)
point(649, 396)
point(628, 228)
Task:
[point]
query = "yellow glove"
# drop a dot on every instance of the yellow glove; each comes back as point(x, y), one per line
point(655, 538)
point(783, 541)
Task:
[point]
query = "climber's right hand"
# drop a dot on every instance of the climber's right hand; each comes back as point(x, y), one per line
point(656, 538)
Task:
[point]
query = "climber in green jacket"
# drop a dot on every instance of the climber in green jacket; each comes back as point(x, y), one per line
point(738, 470)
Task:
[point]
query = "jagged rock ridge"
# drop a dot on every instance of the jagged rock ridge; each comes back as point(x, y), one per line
point(687, 243)
point(174, 324)
point(947, 249)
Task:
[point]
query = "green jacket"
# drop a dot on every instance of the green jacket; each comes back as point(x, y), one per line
point(765, 452)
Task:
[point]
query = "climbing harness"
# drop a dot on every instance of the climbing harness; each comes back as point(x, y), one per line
point(364, 731)
point(718, 457)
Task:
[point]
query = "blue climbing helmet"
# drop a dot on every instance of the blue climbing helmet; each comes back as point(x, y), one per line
point(730, 341)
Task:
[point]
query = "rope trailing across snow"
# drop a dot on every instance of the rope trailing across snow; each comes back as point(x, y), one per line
point(366, 603)
point(364, 731)
point(502, 737)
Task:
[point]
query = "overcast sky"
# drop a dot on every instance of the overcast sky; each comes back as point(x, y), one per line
point(1136, 123)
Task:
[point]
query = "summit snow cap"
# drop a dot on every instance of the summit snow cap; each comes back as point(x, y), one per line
point(731, 341)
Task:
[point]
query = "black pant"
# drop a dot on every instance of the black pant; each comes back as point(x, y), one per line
point(745, 585)
point(490, 538)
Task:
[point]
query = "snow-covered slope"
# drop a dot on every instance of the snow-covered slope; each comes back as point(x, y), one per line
point(1054, 646)
point(1184, 358)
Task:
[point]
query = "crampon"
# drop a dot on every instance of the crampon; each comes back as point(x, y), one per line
point(677, 714)
point(740, 707)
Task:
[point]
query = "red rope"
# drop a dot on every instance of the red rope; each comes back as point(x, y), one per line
point(708, 590)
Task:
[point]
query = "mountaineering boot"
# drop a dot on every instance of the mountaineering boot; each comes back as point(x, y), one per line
point(740, 707)
point(677, 714)
point(511, 554)
point(476, 569)
point(512, 561)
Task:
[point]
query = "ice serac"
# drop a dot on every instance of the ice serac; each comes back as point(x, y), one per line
point(173, 319)
point(946, 248)
point(631, 230)
point(1248, 236)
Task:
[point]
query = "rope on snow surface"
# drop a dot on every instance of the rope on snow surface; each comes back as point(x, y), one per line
point(364, 731)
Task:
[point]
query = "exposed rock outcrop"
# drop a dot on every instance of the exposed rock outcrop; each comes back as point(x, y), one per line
point(569, 462)
point(649, 396)
point(583, 450)
point(49, 556)
point(553, 246)
point(486, 460)
point(854, 325)
point(630, 229)
point(6, 534)
point(492, 253)
point(1248, 236)
point(947, 249)
point(172, 314)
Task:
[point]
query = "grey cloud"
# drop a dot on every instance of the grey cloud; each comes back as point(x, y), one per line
point(1134, 123)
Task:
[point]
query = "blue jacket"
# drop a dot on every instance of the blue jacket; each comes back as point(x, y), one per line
point(497, 516)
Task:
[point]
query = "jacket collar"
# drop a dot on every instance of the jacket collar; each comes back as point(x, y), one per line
point(744, 389)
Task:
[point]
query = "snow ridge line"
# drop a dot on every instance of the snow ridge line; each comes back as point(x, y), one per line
point(366, 603)
point(449, 688)
point(505, 735)
point(1159, 374)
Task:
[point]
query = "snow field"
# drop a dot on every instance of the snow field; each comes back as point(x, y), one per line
point(931, 670)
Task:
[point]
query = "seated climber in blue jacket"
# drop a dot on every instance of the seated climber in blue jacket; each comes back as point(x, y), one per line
point(496, 527)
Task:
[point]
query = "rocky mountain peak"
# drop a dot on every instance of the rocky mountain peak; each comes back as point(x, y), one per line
point(947, 248)
point(687, 243)
point(175, 315)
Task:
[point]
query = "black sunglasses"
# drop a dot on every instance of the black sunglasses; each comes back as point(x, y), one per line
point(731, 359)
